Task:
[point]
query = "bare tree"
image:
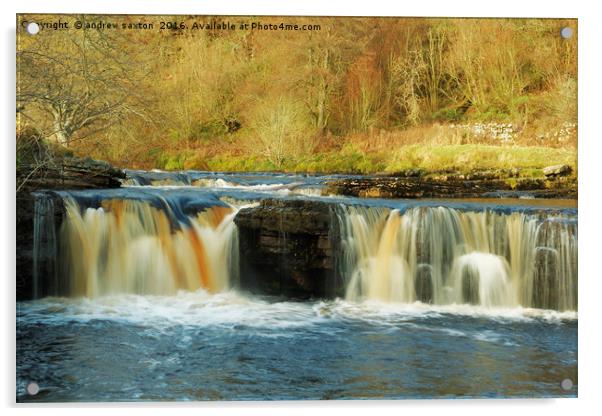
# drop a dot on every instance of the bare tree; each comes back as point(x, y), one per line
point(74, 83)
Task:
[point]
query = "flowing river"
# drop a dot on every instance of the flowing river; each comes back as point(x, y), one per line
point(138, 296)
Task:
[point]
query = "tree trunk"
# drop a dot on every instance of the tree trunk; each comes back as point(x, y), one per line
point(60, 135)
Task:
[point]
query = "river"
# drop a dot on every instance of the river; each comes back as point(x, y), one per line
point(441, 298)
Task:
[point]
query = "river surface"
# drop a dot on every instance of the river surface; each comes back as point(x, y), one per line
point(195, 346)
point(192, 345)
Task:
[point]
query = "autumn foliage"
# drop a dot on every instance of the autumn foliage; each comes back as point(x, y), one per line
point(360, 88)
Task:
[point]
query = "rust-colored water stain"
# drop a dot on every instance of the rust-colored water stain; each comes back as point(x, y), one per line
point(201, 257)
point(215, 215)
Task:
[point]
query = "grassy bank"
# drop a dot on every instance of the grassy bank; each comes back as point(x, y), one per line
point(431, 148)
point(462, 158)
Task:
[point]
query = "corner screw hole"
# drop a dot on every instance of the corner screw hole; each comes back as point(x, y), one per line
point(566, 384)
point(32, 28)
point(566, 32)
point(33, 389)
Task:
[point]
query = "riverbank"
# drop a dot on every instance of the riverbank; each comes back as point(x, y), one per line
point(366, 157)
point(362, 158)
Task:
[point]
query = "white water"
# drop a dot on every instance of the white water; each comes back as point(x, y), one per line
point(294, 188)
point(230, 309)
point(491, 274)
point(445, 256)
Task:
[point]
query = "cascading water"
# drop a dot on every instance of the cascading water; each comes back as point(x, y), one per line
point(482, 278)
point(441, 255)
point(161, 241)
point(131, 246)
point(266, 183)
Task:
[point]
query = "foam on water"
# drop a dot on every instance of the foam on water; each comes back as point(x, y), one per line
point(233, 310)
point(384, 311)
point(185, 308)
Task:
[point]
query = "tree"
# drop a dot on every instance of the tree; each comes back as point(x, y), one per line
point(77, 82)
point(282, 130)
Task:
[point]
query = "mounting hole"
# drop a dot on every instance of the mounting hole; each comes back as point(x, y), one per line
point(566, 384)
point(33, 389)
point(566, 32)
point(32, 28)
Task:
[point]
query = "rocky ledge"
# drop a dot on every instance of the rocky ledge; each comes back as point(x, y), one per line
point(69, 173)
point(291, 248)
point(556, 182)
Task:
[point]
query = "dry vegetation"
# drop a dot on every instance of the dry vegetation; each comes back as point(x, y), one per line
point(359, 95)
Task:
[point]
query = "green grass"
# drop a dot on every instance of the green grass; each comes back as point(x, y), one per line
point(227, 163)
point(462, 158)
point(465, 158)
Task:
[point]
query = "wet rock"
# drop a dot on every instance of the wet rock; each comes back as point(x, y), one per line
point(545, 280)
point(408, 187)
point(69, 173)
point(287, 248)
point(557, 170)
point(406, 173)
point(470, 285)
point(453, 185)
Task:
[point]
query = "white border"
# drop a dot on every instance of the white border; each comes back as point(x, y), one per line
point(590, 177)
point(435, 8)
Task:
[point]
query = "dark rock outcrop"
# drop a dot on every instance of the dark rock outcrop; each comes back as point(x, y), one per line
point(423, 284)
point(545, 278)
point(286, 248)
point(69, 173)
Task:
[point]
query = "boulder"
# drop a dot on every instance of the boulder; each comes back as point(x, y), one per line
point(557, 170)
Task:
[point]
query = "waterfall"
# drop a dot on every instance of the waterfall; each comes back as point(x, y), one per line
point(131, 246)
point(44, 243)
point(441, 255)
point(157, 242)
point(483, 278)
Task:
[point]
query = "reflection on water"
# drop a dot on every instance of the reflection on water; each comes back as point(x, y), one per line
point(196, 346)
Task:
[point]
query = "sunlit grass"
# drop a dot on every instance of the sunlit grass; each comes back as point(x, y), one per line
point(479, 156)
point(463, 158)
